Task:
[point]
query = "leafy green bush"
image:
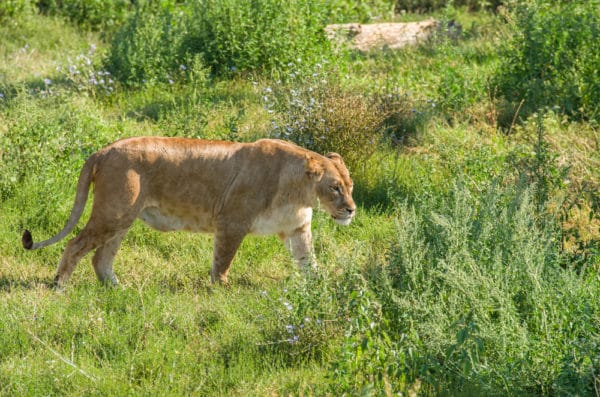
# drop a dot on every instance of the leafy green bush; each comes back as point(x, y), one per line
point(552, 59)
point(148, 48)
point(229, 36)
point(14, 8)
point(256, 35)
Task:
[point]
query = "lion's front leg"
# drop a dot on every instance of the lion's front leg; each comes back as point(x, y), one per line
point(225, 246)
point(299, 244)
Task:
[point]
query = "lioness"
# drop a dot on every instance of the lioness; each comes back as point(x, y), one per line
point(226, 188)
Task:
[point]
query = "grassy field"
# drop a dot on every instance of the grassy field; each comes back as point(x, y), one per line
point(472, 267)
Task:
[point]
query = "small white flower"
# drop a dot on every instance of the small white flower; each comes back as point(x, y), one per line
point(47, 81)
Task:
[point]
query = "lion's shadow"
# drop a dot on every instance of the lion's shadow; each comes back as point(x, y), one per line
point(9, 283)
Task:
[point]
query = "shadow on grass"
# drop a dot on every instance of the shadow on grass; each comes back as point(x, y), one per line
point(372, 197)
point(9, 283)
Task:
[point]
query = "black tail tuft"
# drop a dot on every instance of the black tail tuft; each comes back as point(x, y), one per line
point(27, 240)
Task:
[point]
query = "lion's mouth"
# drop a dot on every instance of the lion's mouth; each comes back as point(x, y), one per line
point(344, 221)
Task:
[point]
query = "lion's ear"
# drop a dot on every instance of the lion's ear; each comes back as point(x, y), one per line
point(336, 158)
point(313, 167)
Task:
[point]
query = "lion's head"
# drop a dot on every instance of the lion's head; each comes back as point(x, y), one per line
point(334, 187)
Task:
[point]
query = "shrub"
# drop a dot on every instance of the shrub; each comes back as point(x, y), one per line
point(367, 360)
point(256, 35)
point(317, 113)
point(14, 8)
point(469, 301)
point(230, 36)
point(552, 59)
point(147, 48)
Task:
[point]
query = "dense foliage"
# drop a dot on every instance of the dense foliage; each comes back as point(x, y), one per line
point(229, 36)
point(553, 58)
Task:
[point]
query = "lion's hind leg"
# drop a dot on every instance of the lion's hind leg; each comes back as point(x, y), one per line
point(103, 233)
point(87, 240)
point(116, 205)
point(104, 257)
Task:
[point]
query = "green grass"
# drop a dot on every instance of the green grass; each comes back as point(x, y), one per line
point(472, 267)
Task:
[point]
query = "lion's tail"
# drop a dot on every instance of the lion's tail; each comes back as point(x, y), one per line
point(83, 187)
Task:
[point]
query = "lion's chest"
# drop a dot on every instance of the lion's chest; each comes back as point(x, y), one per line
point(284, 219)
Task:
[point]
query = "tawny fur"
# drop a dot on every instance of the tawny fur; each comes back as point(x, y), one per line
point(226, 188)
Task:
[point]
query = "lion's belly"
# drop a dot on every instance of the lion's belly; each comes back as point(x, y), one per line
point(284, 219)
point(166, 221)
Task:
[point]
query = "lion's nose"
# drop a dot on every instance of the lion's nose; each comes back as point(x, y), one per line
point(351, 210)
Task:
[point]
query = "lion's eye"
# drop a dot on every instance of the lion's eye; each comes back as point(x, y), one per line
point(337, 189)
